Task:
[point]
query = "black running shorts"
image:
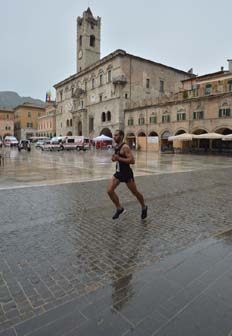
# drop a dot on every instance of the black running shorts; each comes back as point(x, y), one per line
point(124, 177)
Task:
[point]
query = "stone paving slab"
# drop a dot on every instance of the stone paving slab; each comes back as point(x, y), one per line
point(162, 306)
point(60, 248)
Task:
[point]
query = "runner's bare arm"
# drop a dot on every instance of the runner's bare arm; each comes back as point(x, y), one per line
point(129, 157)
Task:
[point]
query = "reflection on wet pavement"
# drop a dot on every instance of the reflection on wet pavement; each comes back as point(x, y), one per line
point(42, 168)
point(67, 269)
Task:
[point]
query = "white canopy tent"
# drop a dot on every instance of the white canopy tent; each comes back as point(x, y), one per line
point(208, 136)
point(227, 137)
point(102, 138)
point(181, 137)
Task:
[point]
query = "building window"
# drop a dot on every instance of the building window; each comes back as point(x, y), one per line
point(17, 125)
point(141, 121)
point(130, 122)
point(153, 119)
point(230, 85)
point(92, 41)
point(195, 92)
point(29, 125)
point(61, 95)
point(100, 98)
point(29, 114)
point(208, 89)
point(103, 117)
point(126, 95)
point(181, 116)
point(67, 123)
point(147, 83)
point(109, 74)
point(85, 85)
point(91, 124)
point(93, 83)
point(101, 79)
point(108, 116)
point(224, 112)
point(166, 118)
point(198, 115)
point(82, 104)
point(80, 44)
point(161, 90)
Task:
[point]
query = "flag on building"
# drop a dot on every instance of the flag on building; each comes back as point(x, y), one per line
point(48, 96)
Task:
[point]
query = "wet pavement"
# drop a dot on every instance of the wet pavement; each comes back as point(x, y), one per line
point(38, 168)
point(66, 268)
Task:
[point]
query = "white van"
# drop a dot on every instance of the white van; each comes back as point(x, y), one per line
point(76, 142)
point(56, 143)
point(10, 141)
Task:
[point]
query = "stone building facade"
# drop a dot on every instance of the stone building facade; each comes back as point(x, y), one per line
point(6, 122)
point(47, 121)
point(93, 101)
point(203, 105)
point(26, 120)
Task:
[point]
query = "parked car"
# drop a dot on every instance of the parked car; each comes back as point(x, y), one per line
point(10, 141)
point(39, 143)
point(45, 145)
point(24, 144)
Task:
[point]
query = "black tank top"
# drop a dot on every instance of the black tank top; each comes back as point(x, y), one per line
point(122, 167)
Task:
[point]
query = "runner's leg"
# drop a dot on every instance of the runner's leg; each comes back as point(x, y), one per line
point(114, 182)
point(133, 188)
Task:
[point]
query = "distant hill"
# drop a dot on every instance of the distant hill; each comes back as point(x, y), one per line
point(12, 99)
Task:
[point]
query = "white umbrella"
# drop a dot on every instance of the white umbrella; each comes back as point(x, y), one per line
point(227, 137)
point(181, 137)
point(102, 138)
point(208, 136)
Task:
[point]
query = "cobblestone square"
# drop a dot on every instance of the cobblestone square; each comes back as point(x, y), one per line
point(66, 268)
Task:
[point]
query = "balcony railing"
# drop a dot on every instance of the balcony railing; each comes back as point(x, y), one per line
point(120, 80)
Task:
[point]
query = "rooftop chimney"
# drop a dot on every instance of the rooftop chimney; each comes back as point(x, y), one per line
point(230, 64)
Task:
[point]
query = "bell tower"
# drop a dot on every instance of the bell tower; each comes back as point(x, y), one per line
point(88, 40)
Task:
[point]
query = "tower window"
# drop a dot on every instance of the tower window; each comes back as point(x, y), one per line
point(80, 42)
point(148, 83)
point(161, 86)
point(92, 41)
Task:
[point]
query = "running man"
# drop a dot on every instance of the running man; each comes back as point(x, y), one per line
point(123, 157)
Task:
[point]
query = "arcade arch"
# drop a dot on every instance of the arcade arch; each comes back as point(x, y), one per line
point(107, 132)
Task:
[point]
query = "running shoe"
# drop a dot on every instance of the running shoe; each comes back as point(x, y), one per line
point(144, 213)
point(118, 213)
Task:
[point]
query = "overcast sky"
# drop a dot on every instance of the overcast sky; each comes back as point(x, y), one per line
point(38, 37)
